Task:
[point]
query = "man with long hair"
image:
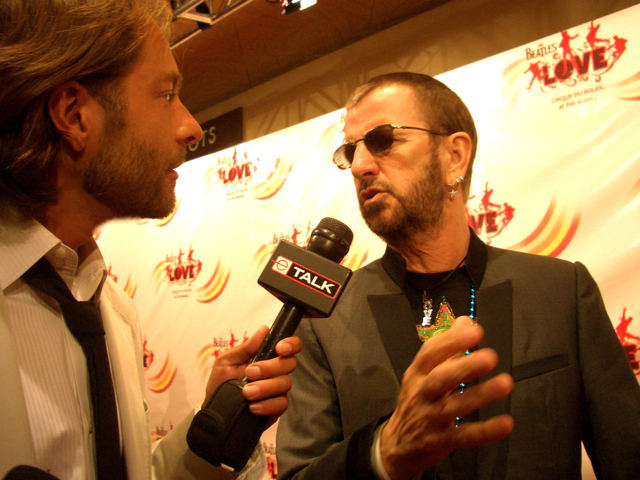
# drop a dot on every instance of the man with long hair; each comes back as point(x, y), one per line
point(91, 129)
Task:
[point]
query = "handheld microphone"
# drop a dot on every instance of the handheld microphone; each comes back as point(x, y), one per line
point(309, 282)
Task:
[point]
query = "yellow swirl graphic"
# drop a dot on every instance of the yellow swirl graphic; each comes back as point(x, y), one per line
point(627, 89)
point(159, 272)
point(553, 234)
point(274, 181)
point(215, 286)
point(130, 287)
point(163, 380)
point(164, 221)
point(262, 255)
point(355, 258)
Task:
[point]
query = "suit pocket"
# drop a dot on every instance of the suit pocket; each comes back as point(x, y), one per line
point(539, 367)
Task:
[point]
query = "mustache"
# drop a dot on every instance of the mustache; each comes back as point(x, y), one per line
point(375, 183)
point(178, 158)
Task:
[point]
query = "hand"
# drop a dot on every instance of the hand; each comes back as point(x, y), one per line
point(269, 379)
point(421, 431)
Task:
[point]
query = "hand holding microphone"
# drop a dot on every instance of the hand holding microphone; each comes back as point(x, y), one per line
point(309, 282)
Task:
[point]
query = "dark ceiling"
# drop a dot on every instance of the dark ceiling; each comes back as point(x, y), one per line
point(254, 42)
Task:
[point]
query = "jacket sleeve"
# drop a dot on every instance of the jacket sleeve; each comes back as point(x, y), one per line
point(172, 459)
point(310, 441)
point(611, 410)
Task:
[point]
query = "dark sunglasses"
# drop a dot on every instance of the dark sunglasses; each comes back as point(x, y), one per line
point(376, 140)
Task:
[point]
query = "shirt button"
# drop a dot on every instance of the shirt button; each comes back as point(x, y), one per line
point(58, 257)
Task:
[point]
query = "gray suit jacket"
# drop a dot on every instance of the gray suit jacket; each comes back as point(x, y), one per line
point(546, 320)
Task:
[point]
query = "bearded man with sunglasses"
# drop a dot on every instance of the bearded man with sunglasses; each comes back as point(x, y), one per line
point(394, 386)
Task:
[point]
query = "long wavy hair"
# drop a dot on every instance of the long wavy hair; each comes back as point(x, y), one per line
point(44, 44)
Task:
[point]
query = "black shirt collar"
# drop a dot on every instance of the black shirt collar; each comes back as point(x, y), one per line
point(395, 266)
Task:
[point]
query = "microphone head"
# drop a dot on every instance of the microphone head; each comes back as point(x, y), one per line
point(330, 239)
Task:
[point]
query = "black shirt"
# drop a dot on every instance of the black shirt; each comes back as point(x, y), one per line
point(454, 287)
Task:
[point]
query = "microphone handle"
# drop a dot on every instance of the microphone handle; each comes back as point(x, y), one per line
point(284, 326)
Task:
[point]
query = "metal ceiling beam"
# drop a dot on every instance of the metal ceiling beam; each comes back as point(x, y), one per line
point(203, 14)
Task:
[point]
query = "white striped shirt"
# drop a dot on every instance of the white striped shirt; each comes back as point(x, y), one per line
point(53, 370)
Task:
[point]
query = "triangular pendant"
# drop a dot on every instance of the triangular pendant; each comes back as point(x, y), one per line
point(443, 322)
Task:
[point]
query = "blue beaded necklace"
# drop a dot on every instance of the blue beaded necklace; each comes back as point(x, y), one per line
point(444, 320)
point(472, 315)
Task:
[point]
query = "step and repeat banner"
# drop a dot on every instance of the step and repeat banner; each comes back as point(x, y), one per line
point(557, 173)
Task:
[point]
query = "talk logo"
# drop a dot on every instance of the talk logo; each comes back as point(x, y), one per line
point(158, 377)
point(630, 342)
point(581, 56)
point(182, 273)
point(354, 259)
point(241, 173)
point(214, 349)
point(489, 218)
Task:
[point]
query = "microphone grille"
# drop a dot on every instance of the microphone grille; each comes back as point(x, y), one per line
point(337, 228)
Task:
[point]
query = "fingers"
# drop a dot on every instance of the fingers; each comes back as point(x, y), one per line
point(463, 336)
point(269, 379)
point(289, 346)
point(247, 350)
point(456, 370)
point(479, 396)
point(270, 407)
point(271, 368)
point(421, 430)
point(474, 434)
point(232, 364)
point(420, 434)
point(262, 390)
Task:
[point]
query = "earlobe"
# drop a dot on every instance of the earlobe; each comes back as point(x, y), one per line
point(67, 108)
point(460, 147)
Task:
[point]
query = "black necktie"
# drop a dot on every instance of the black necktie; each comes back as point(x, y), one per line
point(84, 321)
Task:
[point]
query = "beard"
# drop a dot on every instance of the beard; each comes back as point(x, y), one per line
point(418, 211)
point(128, 174)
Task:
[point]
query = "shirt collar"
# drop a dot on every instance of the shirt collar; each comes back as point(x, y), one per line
point(395, 265)
point(24, 241)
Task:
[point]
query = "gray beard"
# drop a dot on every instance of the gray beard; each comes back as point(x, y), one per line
point(419, 211)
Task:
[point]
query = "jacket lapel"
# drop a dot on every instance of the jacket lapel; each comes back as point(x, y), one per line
point(495, 314)
point(124, 352)
point(394, 320)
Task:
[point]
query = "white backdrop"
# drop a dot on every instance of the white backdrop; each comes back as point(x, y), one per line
point(557, 173)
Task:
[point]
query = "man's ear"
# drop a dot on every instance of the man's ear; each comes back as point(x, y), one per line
point(70, 108)
point(459, 147)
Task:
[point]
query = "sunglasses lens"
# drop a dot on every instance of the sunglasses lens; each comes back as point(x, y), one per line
point(376, 140)
point(343, 157)
point(379, 139)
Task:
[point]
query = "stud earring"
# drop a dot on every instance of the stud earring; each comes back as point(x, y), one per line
point(453, 187)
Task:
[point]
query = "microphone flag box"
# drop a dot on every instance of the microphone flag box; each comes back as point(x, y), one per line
point(311, 281)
